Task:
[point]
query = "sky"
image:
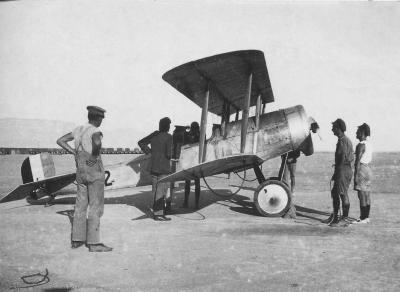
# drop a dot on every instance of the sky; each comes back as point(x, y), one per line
point(337, 59)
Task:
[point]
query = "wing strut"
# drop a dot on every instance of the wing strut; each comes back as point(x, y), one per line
point(258, 111)
point(203, 125)
point(245, 117)
point(216, 90)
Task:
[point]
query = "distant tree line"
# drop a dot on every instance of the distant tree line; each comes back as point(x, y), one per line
point(60, 151)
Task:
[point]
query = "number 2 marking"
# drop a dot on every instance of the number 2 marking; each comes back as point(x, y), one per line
point(106, 183)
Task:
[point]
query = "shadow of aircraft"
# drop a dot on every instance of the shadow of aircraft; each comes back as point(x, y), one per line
point(69, 213)
point(247, 188)
point(245, 205)
point(143, 200)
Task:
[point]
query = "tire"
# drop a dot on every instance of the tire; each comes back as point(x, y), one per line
point(272, 198)
point(36, 195)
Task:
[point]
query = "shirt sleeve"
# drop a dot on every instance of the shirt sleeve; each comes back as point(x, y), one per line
point(93, 131)
point(98, 131)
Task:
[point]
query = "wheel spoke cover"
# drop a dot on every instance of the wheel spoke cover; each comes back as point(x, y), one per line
point(272, 198)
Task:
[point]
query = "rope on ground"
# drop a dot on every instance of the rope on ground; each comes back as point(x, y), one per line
point(43, 279)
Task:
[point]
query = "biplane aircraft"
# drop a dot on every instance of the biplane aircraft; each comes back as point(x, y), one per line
point(227, 85)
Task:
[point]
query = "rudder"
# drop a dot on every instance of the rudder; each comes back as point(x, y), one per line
point(37, 167)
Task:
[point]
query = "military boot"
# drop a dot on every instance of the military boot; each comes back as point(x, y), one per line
point(335, 221)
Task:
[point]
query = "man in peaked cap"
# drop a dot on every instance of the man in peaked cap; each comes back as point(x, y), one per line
point(96, 111)
point(90, 181)
point(344, 155)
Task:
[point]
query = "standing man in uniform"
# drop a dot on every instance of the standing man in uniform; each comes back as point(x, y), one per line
point(90, 181)
point(161, 152)
point(344, 155)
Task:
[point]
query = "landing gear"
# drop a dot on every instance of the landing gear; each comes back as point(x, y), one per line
point(272, 198)
point(39, 193)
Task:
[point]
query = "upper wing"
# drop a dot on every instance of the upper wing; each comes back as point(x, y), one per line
point(53, 184)
point(223, 165)
point(228, 74)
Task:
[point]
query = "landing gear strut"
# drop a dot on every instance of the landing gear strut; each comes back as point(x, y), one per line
point(272, 197)
point(39, 193)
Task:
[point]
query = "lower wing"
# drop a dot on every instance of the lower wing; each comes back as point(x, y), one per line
point(223, 165)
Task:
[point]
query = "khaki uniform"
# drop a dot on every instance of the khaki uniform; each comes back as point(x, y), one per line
point(343, 174)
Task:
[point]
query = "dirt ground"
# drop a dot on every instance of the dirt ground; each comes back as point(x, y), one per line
point(224, 246)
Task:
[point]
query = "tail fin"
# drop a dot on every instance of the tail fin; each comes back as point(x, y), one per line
point(37, 167)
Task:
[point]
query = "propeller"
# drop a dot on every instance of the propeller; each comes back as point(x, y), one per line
point(314, 127)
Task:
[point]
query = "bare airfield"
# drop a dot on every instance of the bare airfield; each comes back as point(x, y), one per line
point(224, 246)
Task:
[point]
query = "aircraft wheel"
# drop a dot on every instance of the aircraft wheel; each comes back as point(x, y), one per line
point(32, 198)
point(272, 198)
point(277, 178)
point(36, 195)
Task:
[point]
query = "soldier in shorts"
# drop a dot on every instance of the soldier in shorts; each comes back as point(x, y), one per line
point(362, 172)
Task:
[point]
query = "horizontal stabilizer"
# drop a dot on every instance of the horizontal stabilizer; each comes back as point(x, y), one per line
point(223, 165)
point(52, 184)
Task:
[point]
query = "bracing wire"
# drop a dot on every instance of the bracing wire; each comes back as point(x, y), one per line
point(225, 196)
point(29, 280)
point(243, 178)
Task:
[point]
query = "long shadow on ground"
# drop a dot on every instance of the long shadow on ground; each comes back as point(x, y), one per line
point(143, 200)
